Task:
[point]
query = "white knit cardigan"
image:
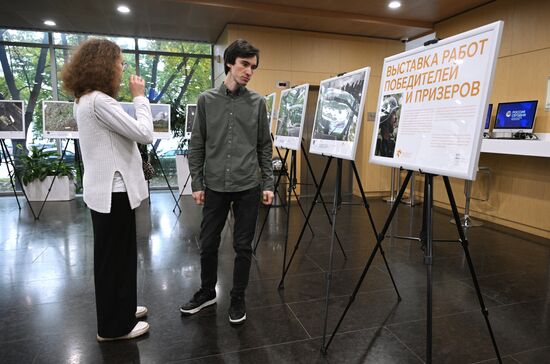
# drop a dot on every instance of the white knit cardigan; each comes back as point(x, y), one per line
point(108, 137)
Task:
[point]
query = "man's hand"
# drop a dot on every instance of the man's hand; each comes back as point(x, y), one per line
point(199, 197)
point(267, 197)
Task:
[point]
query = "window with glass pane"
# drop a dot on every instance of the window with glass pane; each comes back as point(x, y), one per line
point(174, 46)
point(174, 80)
point(23, 36)
point(24, 75)
point(74, 39)
point(177, 80)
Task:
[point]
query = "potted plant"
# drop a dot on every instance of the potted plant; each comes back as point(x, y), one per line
point(37, 171)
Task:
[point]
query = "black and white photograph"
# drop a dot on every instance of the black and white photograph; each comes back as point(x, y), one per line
point(339, 113)
point(290, 119)
point(12, 119)
point(58, 120)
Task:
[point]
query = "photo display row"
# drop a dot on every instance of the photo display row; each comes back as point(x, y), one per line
point(59, 122)
point(431, 109)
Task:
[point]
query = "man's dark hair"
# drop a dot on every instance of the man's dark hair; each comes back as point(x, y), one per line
point(239, 48)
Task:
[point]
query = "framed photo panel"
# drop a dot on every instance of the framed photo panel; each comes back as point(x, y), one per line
point(290, 119)
point(161, 118)
point(433, 104)
point(12, 119)
point(339, 114)
point(58, 120)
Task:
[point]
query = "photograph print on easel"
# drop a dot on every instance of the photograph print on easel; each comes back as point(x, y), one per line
point(190, 111)
point(161, 121)
point(270, 106)
point(58, 120)
point(290, 119)
point(339, 113)
point(161, 118)
point(433, 104)
point(388, 126)
point(12, 119)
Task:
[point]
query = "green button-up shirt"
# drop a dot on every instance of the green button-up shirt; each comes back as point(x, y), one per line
point(230, 148)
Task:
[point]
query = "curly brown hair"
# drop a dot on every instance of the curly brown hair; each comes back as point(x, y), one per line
point(92, 67)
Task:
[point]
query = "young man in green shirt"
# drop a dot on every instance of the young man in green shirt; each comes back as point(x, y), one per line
point(230, 162)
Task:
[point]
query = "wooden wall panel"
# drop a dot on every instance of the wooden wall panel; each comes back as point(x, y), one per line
point(519, 186)
point(531, 26)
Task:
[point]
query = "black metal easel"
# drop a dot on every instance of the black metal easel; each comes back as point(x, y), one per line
point(292, 182)
point(166, 178)
point(304, 153)
point(336, 205)
point(11, 173)
point(426, 238)
point(182, 190)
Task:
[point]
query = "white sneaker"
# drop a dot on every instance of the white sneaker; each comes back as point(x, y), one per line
point(141, 328)
point(141, 311)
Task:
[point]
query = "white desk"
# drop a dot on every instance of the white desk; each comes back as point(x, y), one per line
point(534, 148)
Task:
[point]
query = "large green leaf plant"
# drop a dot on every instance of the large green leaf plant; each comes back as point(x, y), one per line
point(40, 164)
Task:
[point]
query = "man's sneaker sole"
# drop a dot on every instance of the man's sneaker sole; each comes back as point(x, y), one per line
point(197, 309)
point(237, 321)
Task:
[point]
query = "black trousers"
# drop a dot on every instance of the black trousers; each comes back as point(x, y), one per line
point(214, 213)
point(115, 267)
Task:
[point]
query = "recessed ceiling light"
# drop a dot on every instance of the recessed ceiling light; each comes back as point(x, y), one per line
point(49, 23)
point(123, 9)
point(394, 5)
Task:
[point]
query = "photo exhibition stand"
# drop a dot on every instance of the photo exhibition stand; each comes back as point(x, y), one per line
point(154, 150)
point(177, 205)
point(11, 172)
point(426, 239)
point(337, 203)
point(292, 186)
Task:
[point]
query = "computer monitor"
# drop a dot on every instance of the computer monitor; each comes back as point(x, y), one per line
point(513, 117)
point(488, 118)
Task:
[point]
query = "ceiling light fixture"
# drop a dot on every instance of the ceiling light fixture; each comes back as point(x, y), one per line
point(49, 23)
point(394, 5)
point(123, 9)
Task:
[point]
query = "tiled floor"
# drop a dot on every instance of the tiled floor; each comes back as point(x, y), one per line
point(48, 312)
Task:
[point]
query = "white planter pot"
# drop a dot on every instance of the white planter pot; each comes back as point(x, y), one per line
point(182, 168)
point(63, 189)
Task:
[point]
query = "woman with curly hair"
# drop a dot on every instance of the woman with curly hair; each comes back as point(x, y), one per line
point(114, 184)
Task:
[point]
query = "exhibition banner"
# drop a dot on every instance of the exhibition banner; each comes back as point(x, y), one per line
point(270, 106)
point(58, 121)
point(339, 113)
point(190, 111)
point(12, 119)
point(290, 119)
point(433, 103)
